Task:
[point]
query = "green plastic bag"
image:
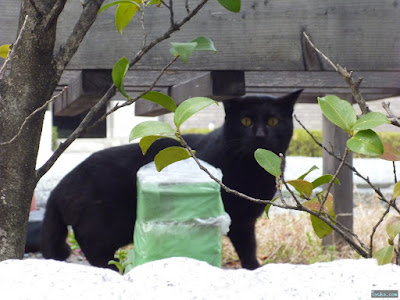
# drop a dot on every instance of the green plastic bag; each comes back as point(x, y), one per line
point(179, 213)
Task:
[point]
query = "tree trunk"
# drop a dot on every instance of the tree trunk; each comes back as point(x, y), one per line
point(29, 84)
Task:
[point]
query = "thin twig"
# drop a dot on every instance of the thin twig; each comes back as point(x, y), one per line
point(86, 122)
point(339, 228)
point(54, 14)
point(281, 180)
point(31, 115)
point(187, 6)
point(286, 185)
point(347, 76)
point(340, 167)
point(11, 53)
point(354, 170)
point(171, 11)
point(82, 26)
point(371, 241)
point(168, 33)
point(392, 118)
point(131, 101)
point(143, 25)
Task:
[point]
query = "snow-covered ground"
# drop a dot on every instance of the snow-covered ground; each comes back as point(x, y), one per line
point(185, 278)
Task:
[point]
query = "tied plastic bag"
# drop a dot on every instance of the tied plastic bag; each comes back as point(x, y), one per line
point(179, 213)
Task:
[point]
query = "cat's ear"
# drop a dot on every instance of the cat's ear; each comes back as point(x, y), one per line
point(230, 104)
point(289, 100)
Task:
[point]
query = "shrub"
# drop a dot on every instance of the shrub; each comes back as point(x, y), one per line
point(303, 145)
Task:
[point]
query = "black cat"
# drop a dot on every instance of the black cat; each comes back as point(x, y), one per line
point(98, 197)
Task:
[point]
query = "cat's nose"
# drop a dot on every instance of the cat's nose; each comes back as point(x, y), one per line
point(260, 132)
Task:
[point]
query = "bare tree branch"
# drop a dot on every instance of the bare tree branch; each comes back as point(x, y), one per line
point(30, 116)
point(84, 125)
point(366, 179)
point(54, 14)
point(347, 76)
point(187, 6)
point(168, 33)
point(371, 242)
point(11, 53)
point(131, 101)
point(345, 233)
point(393, 119)
point(82, 26)
point(77, 132)
point(340, 167)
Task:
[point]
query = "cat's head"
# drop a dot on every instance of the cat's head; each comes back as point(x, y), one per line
point(259, 121)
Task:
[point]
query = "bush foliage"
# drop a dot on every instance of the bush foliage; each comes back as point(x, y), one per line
point(303, 145)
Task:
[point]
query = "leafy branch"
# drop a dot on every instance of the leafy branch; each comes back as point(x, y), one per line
point(319, 207)
point(66, 53)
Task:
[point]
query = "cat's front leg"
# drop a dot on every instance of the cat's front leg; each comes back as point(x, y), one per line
point(242, 236)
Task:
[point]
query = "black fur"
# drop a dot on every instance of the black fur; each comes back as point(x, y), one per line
point(98, 197)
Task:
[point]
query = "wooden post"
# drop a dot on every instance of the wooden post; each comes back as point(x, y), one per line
point(335, 137)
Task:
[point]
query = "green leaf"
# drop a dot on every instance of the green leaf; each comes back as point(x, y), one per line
point(130, 261)
point(108, 5)
point(189, 107)
point(146, 142)
point(304, 187)
point(269, 161)
point(170, 155)
point(151, 128)
point(366, 142)
point(269, 206)
point(204, 44)
point(313, 168)
point(370, 120)
point(124, 14)
point(231, 5)
point(153, 2)
point(396, 190)
point(161, 99)
point(118, 265)
point(338, 111)
point(321, 229)
point(183, 50)
point(384, 255)
point(323, 180)
point(393, 227)
point(390, 153)
point(4, 49)
point(315, 204)
point(118, 74)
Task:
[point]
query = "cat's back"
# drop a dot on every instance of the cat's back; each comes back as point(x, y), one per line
point(209, 147)
point(105, 170)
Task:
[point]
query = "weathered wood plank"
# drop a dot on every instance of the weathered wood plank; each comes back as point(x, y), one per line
point(376, 85)
point(84, 89)
point(265, 35)
point(218, 85)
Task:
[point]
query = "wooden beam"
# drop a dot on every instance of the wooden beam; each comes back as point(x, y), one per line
point(376, 85)
point(218, 85)
point(84, 89)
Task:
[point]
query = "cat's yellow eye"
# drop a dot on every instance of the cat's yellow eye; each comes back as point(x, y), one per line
point(272, 122)
point(246, 121)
